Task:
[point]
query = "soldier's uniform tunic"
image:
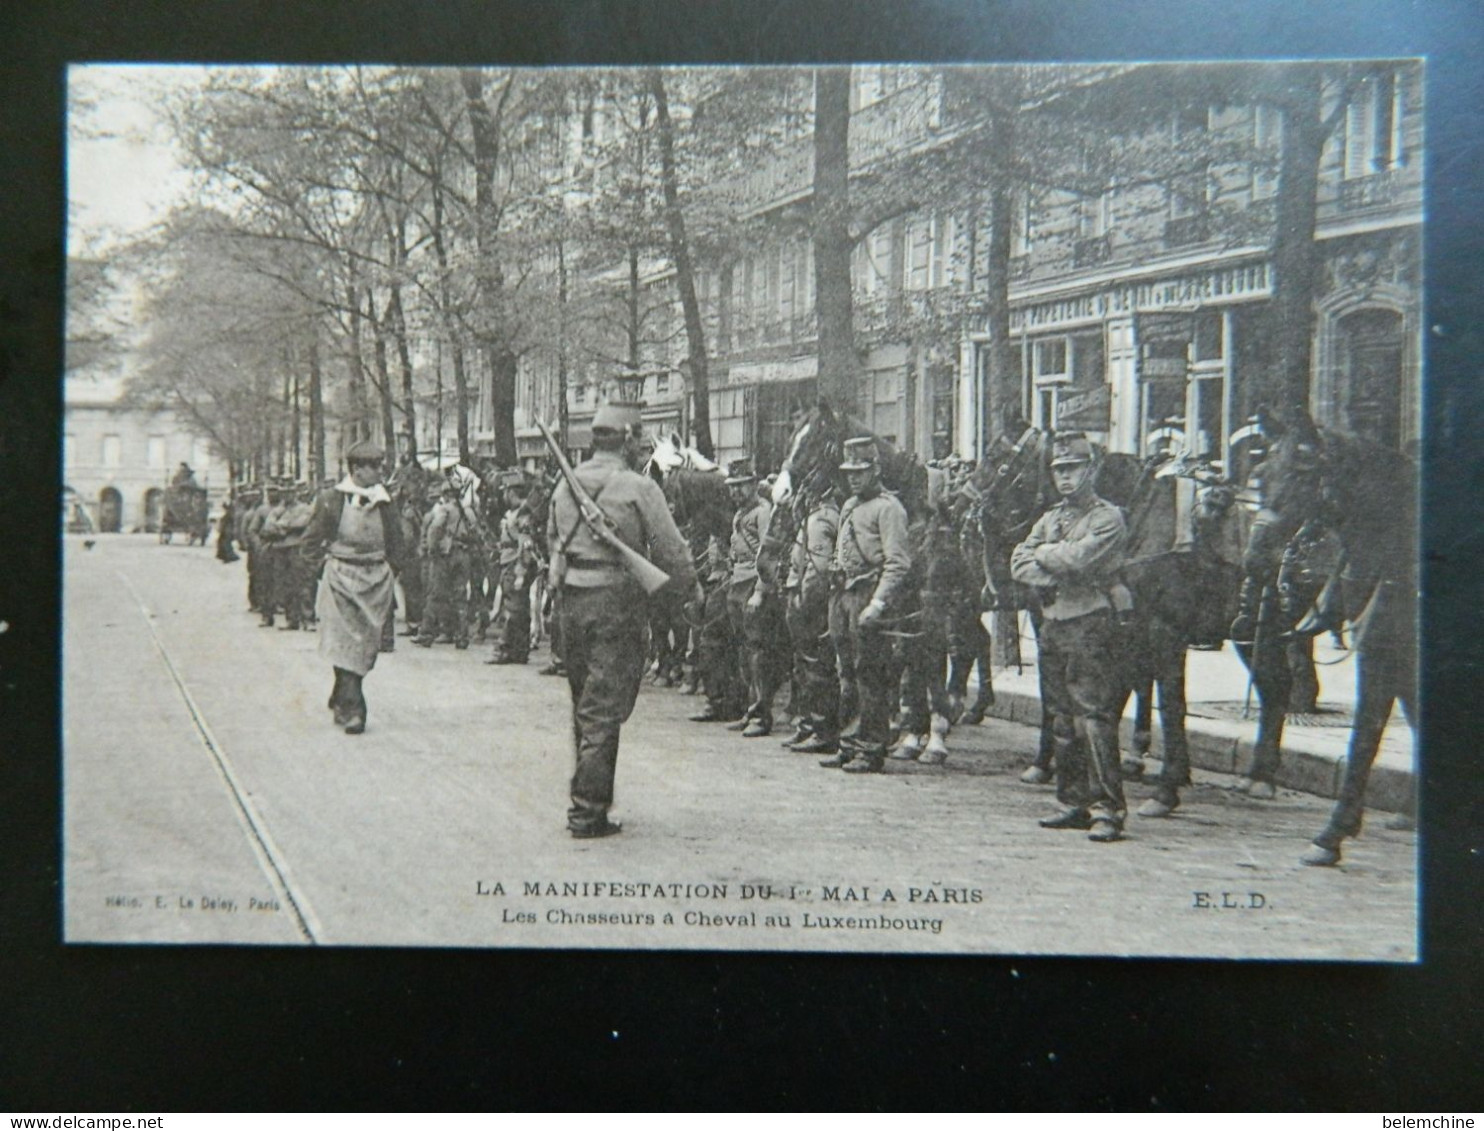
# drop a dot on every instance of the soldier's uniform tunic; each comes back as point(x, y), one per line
point(293, 574)
point(872, 561)
point(757, 632)
point(604, 614)
point(518, 565)
point(721, 678)
point(449, 542)
point(807, 604)
point(1075, 550)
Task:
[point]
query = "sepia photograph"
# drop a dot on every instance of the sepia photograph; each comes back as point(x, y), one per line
point(869, 508)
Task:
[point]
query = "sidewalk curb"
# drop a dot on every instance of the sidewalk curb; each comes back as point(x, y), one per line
point(1389, 788)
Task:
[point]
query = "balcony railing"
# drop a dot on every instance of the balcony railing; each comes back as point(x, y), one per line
point(1185, 230)
point(1375, 191)
point(1092, 251)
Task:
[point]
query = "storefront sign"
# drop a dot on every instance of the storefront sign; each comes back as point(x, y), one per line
point(1088, 412)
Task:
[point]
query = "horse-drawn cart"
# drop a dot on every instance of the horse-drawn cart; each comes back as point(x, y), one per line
point(185, 512)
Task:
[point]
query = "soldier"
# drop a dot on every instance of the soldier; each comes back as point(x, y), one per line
point(870, 569)
point(1072, 556)
point(753, 610)
point(448, 543)
point(292, 575)
point(410, 510)
point(720, 676)
point(603, 610)
point(519, 561)
point(354, 528)
point(807, 596)
point(263, 535)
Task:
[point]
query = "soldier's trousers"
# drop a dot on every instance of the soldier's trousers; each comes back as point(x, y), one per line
point(270, 569)
point(867, 674)
point(815, 676)
point(447, 599)
point(603, 642)
point(513, 626)
point(414, 593)
point(720, 677)
point(293, 576)
point(763, 654)
point(1083, 687)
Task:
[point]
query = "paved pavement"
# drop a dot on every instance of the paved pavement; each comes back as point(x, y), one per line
point(208, 798)
point(1222, 722)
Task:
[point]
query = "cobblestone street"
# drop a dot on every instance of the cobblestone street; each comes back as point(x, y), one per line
point(209, 799)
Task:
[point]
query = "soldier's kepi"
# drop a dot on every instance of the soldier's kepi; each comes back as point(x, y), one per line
point(614, 547)
point(1072, 555)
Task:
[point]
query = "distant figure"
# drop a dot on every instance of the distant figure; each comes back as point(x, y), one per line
point(184, 476)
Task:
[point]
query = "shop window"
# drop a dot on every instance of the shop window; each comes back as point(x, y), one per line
point(1209, 337)
point(1049, 360)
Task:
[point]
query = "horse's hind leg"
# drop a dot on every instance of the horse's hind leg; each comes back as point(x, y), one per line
point(982, 659)
point(1274, 683)
point(1174, 770)
point(1143, 692)
point(1378, 687)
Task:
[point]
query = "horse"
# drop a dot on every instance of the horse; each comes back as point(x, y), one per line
point(695, 489)
point(1366, 495)
point(1180, 570)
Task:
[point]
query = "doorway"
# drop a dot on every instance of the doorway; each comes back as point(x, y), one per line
point(110, 510)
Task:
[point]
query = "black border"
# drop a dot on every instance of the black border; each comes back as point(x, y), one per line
point(153, 1028)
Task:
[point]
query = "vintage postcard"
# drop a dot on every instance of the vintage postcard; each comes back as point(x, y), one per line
point(875, 508)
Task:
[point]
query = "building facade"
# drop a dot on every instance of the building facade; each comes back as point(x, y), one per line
point(117, 460)
point(1141, 271)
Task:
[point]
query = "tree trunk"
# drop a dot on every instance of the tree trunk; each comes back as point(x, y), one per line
point(404, 361)
point(383, 381)
point(631, 362)
point(1002, 391)
point(1295, 253)
point(832, 242)
point(493, 334)
point(316, 412)
point(695, 333)
point(358, 429)
point(503, 364)
point(461, 403)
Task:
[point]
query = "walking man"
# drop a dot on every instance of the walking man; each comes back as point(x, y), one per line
point(1072, 557)
point(356, 527)
point(604, 611)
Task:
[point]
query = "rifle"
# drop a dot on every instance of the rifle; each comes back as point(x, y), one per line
point(640, 568)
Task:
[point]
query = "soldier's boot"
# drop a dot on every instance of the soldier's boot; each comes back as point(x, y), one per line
point(870, 760)
point(1249, 604)
point(355, 698)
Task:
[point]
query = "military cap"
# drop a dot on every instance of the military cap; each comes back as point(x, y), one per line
point(859, 453)
point(616, 416)
point(365, 451)
point(1070, 448)
point(740, 471)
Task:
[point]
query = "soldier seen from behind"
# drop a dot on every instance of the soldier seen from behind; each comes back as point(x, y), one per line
point(604, 609)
